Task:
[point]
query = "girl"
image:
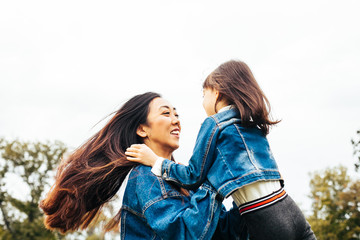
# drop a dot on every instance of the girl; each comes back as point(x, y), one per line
point(233, 154)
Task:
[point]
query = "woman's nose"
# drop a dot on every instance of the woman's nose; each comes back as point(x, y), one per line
point(175, 120)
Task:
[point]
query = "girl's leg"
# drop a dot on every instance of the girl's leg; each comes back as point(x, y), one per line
point(280, 221)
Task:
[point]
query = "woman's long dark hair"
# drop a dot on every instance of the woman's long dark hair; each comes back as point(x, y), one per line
point(94, 172)
point(236, 83)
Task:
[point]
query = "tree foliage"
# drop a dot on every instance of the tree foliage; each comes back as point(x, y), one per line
point(356, 145)
point(335, 205)
point(32, 163)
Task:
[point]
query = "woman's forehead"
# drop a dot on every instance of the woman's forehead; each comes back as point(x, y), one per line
point(159, 103)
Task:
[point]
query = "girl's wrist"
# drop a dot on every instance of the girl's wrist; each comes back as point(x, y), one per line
point(156, 168)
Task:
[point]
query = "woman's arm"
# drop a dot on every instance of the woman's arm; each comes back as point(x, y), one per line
point(181, 217)
point(176, 216)
point(201, 217)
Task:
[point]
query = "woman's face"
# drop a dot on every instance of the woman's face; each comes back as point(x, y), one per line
point(163, 126)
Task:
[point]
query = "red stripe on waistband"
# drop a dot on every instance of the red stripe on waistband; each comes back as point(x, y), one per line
point(263, 202)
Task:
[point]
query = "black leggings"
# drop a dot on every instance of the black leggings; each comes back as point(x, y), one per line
point(280, 221)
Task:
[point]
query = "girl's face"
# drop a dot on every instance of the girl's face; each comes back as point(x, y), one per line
point(209, 100)
point(163, 127)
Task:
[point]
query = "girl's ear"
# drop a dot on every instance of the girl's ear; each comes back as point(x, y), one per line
point(141, 131)
point(218, 96)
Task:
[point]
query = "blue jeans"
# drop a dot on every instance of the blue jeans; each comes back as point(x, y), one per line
point(280, 221)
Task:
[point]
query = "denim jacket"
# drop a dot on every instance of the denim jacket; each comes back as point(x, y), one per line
point(154, 209)
point(226, 154)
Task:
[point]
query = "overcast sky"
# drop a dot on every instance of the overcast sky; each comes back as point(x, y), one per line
point(65, 65)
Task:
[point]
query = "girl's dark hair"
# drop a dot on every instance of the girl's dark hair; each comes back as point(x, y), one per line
point(237, 85)
point(94, 172)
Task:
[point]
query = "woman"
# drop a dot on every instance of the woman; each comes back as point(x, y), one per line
point(151, 208)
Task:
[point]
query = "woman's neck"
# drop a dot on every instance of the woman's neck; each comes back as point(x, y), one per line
point(160, 150)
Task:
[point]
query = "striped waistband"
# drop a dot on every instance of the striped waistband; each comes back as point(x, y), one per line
point(262, 202)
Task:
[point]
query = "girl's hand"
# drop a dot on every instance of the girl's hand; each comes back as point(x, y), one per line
point(142, 154)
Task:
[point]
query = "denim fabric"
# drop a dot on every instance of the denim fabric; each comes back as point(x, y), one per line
point(154, 209)
point(281, 221)
point(226, 154)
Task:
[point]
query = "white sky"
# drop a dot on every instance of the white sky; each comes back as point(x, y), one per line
point(65, 65)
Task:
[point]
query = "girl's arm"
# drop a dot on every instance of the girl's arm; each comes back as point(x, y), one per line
point(191, 176)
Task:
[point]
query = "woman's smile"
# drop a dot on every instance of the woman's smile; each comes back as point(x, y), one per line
point(175, 132)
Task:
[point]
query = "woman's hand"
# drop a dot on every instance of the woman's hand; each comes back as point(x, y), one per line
point(142, 154)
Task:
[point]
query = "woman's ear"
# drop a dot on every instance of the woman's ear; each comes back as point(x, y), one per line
point(141, 131)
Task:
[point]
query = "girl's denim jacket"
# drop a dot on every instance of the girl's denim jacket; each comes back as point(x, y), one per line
point(154, 209)
point(226, 154)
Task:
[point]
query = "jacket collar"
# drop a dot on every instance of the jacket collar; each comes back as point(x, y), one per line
point(224, 115)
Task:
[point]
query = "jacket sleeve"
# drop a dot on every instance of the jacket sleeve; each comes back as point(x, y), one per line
point(180, 217)
point(231, 225)
point(194, 174)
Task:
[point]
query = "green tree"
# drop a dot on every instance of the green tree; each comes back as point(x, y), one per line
point(33, 163)
point(356, 145)
point(335, 205)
